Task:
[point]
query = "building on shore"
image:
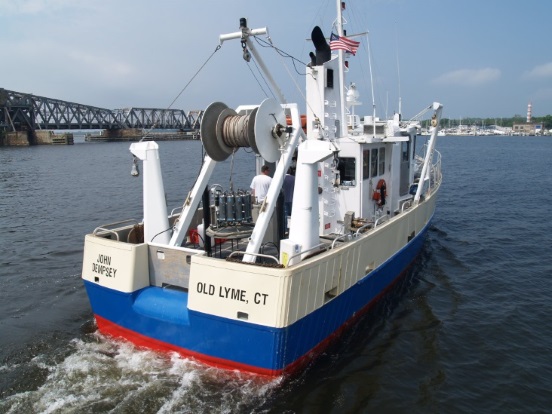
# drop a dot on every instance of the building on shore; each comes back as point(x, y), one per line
point(527, 129)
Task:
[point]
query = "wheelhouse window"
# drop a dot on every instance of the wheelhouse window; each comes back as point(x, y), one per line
point(365, 164)
point(374, 163)
point(347, 171)
point(405, 149)
point(329, 78)
point(381, 161)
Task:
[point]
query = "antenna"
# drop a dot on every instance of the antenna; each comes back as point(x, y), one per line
point(386, 105)
point(398, 68)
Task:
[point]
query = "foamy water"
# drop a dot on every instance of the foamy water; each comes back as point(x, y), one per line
point(102, 374)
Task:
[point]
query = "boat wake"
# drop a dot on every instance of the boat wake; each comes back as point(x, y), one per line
point(102, 374)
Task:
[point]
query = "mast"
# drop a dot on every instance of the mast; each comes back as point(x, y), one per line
point(372, 86)
point(339, 27)
point(398, 72)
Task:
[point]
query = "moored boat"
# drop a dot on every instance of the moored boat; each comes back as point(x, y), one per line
point(221, 280)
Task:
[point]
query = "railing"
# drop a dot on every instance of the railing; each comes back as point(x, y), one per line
point(363, 227)
point(343, 236)
point(436, 169)
point(175, 210)
point(112, 227)
point(380, 220)
point(318, 246)
point(435, 175)
point(266, 256)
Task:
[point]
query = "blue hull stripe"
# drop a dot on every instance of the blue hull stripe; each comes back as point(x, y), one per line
point(162, 314)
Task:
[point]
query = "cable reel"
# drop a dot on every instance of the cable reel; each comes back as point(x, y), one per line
point(223, 130)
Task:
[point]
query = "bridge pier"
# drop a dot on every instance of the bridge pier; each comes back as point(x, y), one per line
point(27, 138)
point(49, 138)
point(15, 139)
point(127, 134)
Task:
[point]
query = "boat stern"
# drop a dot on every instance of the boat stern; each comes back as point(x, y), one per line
point(115, 265)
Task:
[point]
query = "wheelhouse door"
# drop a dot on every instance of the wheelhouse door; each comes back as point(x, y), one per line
point(405, 168)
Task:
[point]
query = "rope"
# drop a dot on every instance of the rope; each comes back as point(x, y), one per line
point(282, 55)
point(186, 86)
point(258, 83)
point(235, 131)
point(193, 77)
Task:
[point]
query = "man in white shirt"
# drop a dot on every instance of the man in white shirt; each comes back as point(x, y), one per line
point(260, 184)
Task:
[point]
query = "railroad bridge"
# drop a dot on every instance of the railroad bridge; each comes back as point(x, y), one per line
point(23, 112)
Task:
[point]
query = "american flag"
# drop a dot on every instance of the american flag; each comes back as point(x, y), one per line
point(343, 43)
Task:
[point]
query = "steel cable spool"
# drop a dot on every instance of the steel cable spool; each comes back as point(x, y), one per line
point(235, 131)
point(223, 130)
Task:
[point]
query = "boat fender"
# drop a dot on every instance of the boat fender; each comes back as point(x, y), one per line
point(380, 193)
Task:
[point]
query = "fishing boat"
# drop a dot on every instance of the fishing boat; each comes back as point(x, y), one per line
point(221, 280)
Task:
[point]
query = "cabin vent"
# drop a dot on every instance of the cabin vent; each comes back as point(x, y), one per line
point(330, 294)
point(369, 268)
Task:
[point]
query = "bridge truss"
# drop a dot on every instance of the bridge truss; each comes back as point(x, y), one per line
point(22, 111)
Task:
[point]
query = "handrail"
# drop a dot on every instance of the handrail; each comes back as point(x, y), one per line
point(308, 250)
point(174, 209)
point(120, 222)
point(107, 231)
point(362, 228)
point(266, 256)
point(407, 203)
point(382, 218)
point(338, 238)
point(103, 227)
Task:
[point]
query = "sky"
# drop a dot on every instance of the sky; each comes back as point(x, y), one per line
point(479, 58)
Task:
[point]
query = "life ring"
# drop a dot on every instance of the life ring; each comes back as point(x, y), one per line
point(380, 193)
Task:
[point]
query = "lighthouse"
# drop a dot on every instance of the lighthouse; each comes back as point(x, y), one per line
point(529, 106)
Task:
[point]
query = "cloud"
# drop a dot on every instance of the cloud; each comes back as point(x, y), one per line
point(113, 66)
point(540, 71)
point(543, 94)
point(468, 77)
point(11, 7)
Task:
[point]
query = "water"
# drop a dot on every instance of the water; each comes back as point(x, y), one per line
point(469, 330)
